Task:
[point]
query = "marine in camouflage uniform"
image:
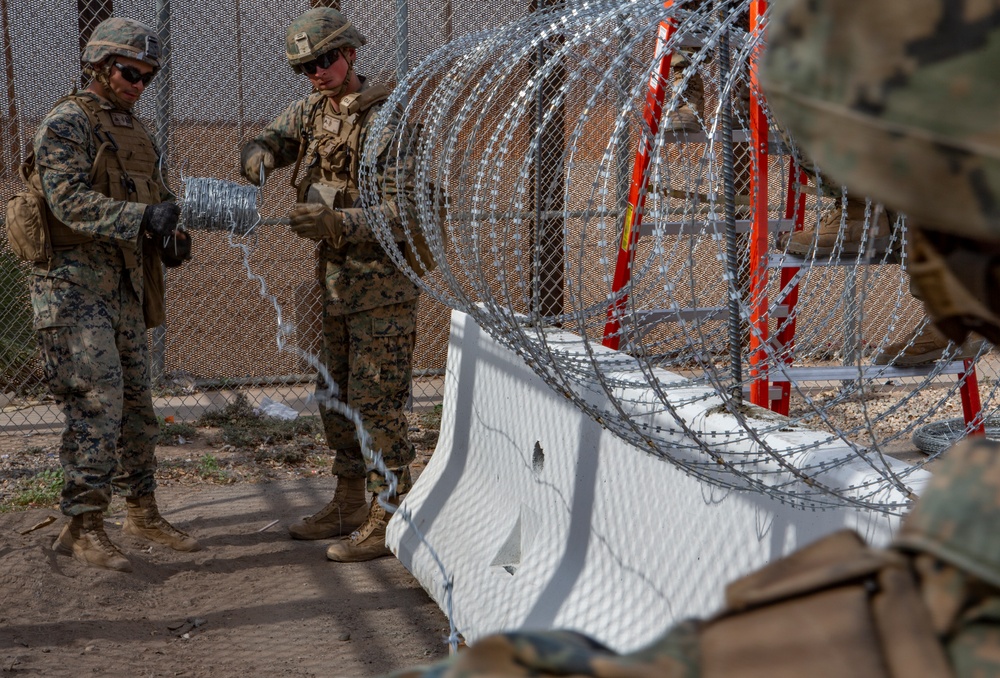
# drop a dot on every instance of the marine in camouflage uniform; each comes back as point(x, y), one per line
point(897, 100)
point(369, 305)
point(97, 168)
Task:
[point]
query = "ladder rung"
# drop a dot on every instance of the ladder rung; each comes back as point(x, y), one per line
point(773, 392)
point(648, 228)
point(849, 373)
point(792, 261)
point(740, 136)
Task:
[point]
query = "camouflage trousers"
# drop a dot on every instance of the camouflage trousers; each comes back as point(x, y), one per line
point(95, 359)
point(370, 358)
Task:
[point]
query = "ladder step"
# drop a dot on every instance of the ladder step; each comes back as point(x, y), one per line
point(740, 136)
point(845, 259)
point(773, 392)
point(849, 373)
point(648, 228)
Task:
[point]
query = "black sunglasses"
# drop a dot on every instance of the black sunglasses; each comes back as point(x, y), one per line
point(133, 75)
point(322, 61)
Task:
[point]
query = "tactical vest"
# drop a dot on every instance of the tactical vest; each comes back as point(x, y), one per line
point(333, 157)
point(835, 609)
point(333, 151)
point(123, 170)
point(122, 167)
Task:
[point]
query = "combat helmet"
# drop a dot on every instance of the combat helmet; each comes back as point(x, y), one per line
point(958, 512)
point(125, 38)
point(318, 31)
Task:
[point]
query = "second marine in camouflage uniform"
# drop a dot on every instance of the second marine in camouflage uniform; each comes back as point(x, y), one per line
point(100, 288)
point(369, 306)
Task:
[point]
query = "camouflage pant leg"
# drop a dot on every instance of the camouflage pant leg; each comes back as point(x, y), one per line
point(135, 475)
point(379, 367)
point(335, 357)
point(78, 333)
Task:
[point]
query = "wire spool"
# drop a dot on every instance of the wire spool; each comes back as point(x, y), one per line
point(217, 205)
point(940, 435)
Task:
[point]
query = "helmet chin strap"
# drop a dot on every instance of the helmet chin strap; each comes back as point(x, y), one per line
point(102, 74)
point(341, 89)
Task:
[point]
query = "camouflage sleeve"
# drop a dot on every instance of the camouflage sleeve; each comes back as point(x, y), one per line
point(974, 647)
point(565, 653)
point(64, 154)
point(284, 135)
point(394, 176)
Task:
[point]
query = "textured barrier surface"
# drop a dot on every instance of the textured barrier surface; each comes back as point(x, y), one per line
point(546, 520)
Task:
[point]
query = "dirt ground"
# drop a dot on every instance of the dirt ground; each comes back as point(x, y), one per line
point(252, 602)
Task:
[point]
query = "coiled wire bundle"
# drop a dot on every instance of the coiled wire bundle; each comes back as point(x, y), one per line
point(217, 205)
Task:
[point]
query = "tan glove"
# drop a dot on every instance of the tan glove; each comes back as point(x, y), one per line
point(317, 222)
point(253, 157)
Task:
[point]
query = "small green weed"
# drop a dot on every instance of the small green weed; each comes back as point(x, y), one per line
point(432, 419)
point(170, 432)
point(243, 428)
point(41, 490)
point(208, 466)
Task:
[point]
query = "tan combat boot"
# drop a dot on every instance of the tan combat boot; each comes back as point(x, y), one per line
point(344, 514)
point(84, 538)
point(689, 115)
point(825, 242)
point(924, 347)
point(368, 541)
point(143, 519)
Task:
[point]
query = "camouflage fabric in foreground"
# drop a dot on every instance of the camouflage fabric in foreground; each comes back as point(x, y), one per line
point(898, 100)
point(929, 606)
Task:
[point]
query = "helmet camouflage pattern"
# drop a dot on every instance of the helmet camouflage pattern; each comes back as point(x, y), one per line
point(907, 114)
point(957, 515)
point(317, 32)
point(125, 38)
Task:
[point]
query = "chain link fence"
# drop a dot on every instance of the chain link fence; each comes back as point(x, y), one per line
point(225, 76)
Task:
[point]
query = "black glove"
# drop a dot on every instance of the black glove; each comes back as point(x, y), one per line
point(161, 219)
point(176, 249)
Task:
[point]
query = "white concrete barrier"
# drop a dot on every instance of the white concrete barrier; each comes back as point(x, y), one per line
point(543, 519)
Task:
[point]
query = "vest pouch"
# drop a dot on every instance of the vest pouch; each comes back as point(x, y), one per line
point(27, 227)
point(325, 194)
point(133, 188)
point(153, 285)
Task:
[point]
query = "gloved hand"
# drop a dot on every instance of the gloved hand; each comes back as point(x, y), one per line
point(317, 222)
point(176, 249)
point(161, 219)
point(253, 157)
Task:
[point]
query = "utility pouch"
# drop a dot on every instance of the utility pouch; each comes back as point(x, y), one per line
point(832, 609)
point(154, 286)
point(27, 223)
point(325, 194)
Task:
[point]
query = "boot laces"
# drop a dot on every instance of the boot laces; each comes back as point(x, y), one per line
point(375, 515)
point(332, 506)
point(101, 539)
point(156, 521)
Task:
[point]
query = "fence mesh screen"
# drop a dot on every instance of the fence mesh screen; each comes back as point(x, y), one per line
point(225, 77)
